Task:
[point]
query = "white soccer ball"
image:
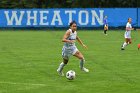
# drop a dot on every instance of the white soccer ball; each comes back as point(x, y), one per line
point(70, 75)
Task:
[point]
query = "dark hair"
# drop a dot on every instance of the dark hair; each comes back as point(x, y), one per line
point(129, 18)
point(73, 22)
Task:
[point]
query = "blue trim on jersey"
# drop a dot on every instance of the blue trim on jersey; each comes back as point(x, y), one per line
point(105, 21)
point(71, 39)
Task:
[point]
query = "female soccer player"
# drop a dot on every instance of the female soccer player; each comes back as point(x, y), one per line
point(105, 25)
point(127, 34)
point(69, 48)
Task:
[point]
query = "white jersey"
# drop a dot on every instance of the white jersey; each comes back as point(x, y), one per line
point(69, 48)
point(72, 36)
point(128, 32)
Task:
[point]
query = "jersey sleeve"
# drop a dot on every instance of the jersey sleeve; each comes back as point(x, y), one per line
point(127, 25)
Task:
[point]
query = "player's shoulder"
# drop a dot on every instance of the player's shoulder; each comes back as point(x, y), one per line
point(68, 31)
point(128, 24)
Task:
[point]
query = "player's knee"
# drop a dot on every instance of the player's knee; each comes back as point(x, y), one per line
point(81, 58)
point(65, 61)
point(127, 42)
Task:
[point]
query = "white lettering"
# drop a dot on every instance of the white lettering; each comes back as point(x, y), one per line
point(81, 18)
point(70, 12)
point(29, 17)
point(43, 18)
point(14, 17)
point(56, 17)
point(99, 19)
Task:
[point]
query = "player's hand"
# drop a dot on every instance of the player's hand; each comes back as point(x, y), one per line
point(85, 46)
point(132, 28)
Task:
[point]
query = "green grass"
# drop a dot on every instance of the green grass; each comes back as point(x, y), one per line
point(29, 59)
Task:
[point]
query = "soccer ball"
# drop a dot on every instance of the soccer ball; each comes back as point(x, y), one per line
point(70, 75)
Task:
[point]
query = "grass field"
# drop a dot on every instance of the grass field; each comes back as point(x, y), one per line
point(29, 59)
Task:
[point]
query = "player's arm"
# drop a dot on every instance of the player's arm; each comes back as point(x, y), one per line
point(128, 28)
point(80, 41)
point(66, 35)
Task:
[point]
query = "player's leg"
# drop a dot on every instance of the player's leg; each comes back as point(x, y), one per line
point(107, 27)
point(61, 66)
point(129, 41)
point(104, 29)
point(126, 35)
point(125, 43)
point(65, 55)
point(80, 56)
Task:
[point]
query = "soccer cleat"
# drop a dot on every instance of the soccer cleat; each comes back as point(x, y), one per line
point(122, 49)
point(60, 72)
point(85, 69)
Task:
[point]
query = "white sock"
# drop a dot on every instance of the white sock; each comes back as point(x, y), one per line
point(82, 63)
point(61, 66)
point(124, 45)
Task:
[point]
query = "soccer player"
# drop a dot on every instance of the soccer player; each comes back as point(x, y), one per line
point(105, 25)
point(69, 48)
point(127, 34)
